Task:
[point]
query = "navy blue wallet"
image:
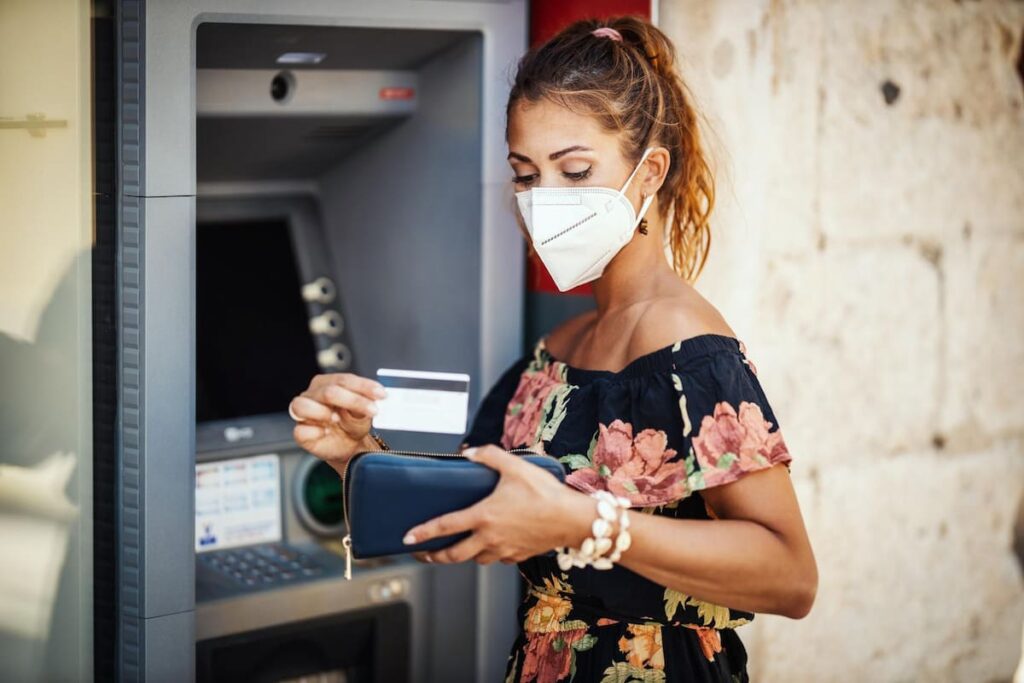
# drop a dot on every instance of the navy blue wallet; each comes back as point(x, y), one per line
point(386, 493)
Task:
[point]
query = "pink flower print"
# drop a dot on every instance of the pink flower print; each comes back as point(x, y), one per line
point(526, 409)
point(549, 655)
point(637, 469)
point(729, 444)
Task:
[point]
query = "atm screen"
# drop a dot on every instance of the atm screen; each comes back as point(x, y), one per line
point(238, 502)
point(254, 351)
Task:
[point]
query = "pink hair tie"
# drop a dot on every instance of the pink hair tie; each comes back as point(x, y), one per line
point(607, 32)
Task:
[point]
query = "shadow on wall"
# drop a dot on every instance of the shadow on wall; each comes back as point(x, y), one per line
point(1018, 527)
point(1018, 535)
point(1020, 59)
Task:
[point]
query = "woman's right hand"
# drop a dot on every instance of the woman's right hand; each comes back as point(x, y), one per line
point(335, 414)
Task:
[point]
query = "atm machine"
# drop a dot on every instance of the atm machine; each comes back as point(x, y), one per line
point(305, 187)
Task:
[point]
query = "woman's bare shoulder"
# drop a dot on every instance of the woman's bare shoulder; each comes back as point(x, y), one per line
point(671, 319)
point(566, 334)
point(662, 322)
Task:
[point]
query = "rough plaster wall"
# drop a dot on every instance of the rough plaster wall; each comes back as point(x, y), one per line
point(869, 248)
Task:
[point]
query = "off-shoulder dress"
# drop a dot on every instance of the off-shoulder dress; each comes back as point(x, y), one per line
point(681, 419)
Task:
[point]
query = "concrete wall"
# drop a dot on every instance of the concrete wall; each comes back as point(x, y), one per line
point(869, 248)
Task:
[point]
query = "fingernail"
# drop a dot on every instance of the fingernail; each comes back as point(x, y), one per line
point(373, 409)
point(379, 392)
point(470, 453)
point(409, 539)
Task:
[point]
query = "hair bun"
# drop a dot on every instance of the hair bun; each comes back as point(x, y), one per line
point(648, 41)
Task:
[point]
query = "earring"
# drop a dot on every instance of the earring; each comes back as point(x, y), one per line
point(643, 221)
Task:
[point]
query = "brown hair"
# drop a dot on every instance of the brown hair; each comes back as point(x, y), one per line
point(632, 86)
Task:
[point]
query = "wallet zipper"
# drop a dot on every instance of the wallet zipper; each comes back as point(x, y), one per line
point(347, 540)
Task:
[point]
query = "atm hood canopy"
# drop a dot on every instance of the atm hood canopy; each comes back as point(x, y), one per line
point(260, 119)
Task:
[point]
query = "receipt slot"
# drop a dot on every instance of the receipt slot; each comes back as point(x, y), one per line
point(306, 186)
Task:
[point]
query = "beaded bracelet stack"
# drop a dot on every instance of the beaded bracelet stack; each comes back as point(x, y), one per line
point(592, 550)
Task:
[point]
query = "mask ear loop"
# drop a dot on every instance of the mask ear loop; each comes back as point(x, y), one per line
point(640, 163)
point(647, 202)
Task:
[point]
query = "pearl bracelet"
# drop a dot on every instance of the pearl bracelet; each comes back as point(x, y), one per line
point(592, 550)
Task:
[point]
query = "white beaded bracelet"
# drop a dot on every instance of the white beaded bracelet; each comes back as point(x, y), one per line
point(592, 550)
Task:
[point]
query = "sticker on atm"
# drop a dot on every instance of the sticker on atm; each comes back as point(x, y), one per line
point(421, 401)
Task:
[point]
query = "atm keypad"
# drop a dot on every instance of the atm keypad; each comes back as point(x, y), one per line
point(263, 565)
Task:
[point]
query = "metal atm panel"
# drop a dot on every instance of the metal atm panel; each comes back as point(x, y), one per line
point(156, 354)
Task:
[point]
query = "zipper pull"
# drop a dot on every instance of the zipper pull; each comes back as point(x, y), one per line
point(347, 542)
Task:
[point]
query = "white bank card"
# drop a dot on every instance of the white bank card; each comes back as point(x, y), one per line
point(420, 401)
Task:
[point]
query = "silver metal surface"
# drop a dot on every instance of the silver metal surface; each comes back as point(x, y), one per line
point(238, 93)
point(330, 595)
point(463, 153)
point(402, 581)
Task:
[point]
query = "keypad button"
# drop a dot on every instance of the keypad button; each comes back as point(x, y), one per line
point(264, 565)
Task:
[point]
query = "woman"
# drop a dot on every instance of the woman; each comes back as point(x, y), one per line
point(650, 397)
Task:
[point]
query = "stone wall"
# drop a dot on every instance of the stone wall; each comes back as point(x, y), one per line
point(869, 248)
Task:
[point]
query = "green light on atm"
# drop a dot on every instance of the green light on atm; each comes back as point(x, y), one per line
point(322, 493)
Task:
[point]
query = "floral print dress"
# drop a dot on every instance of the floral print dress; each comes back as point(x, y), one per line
point(673, 422)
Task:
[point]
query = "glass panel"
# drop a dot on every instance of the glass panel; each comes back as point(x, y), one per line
point(46, 239)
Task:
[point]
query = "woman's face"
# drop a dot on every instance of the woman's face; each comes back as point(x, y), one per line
point(551, 146)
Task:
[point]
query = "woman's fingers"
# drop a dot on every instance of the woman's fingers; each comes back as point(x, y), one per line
point(466, 549)
point(355, 394)
point(487, 557)
point(307, 409)
point(307, 434)
point(333, 415)
point(444, 525)
point(365, 386)
point(495, 457)
point(343, 397)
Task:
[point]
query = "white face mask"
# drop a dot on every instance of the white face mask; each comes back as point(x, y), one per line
point(577, 230)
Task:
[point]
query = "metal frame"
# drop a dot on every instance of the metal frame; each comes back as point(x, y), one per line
point(156, 258)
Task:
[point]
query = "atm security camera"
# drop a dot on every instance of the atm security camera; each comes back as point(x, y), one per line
point(281, 86)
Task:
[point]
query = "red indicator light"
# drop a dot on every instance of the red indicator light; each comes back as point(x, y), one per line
point(395, 93)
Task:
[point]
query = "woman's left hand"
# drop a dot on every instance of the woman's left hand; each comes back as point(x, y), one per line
point(516, 521)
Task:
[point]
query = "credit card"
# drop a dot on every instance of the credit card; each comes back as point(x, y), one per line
point(421, 401)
